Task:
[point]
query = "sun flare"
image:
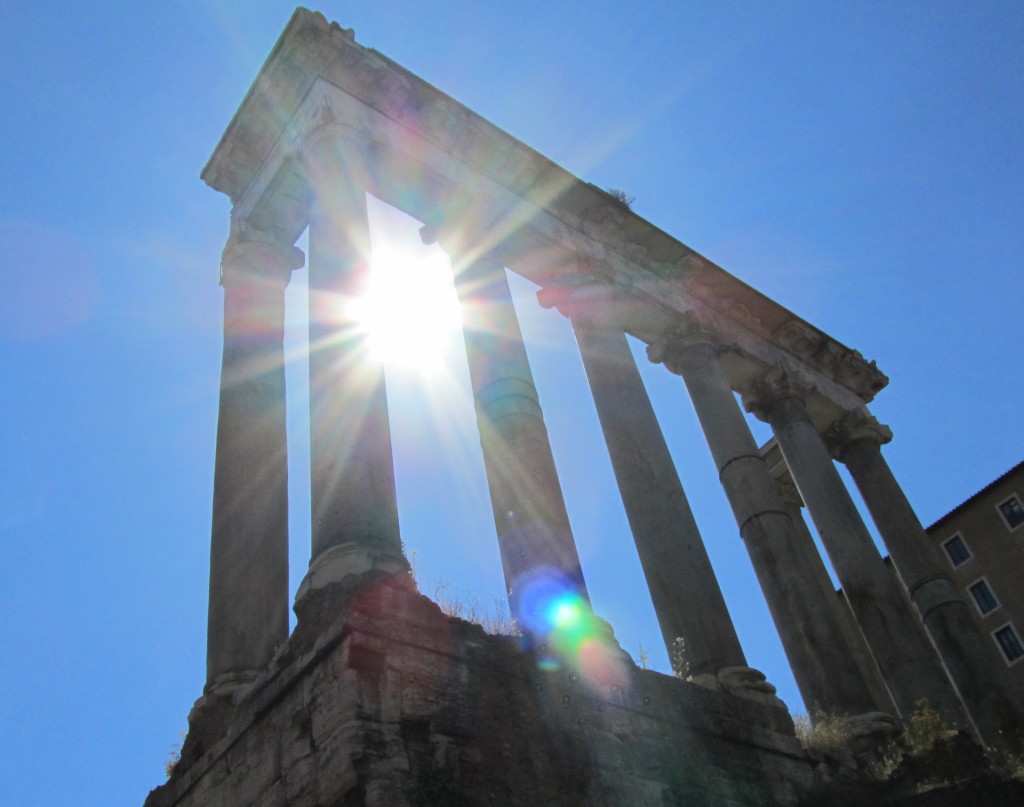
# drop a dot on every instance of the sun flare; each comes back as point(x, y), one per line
point(410, 309)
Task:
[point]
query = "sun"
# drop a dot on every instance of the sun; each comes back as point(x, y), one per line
point(410, 310)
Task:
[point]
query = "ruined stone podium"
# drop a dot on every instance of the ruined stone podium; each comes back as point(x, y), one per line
point(378, 698)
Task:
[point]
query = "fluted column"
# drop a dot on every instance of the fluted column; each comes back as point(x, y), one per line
point(685, 593)
point(824, 671)
point(972, 660)
point(906, 658)
point(533, 529)
point(248, 610)
point(352, 478)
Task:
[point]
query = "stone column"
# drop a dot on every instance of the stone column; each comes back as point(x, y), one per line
point(529, 512)
point(685, 593)
point(824, 671)
point(844, 617)
point(352, 478)
point(973, 662)
point(248, 613)
point(905, 656)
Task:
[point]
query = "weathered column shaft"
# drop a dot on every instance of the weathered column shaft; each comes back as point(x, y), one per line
point(683, 587)
point(973, 662)
point(529, 512)
point(844, 616)
point(248, 611)
point(354, 506)
point(821, 663)
point(908, 661)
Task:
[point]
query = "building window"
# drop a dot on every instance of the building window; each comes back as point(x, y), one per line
point(1009, 642)
point(957, 550)
point(984, 597)
point(1012, 512)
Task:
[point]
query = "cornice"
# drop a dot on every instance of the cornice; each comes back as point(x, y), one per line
point(656, 265)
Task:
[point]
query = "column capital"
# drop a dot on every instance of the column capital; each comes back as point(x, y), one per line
point(326, 125)
point(580, 295)
point(857, 425)
point(469, 226)
point(689, 344)
point(256, 256)
point(332, 152)
point(777, 384)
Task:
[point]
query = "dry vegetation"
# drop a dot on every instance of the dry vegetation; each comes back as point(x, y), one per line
point(494, 619)
point(928, 752)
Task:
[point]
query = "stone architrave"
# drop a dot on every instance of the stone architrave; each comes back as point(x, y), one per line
point(354, 506)
point(906, 658)
point(248, 608)
point(682, 584)
point(534, 534)
point(824, 671)
point(972, 661)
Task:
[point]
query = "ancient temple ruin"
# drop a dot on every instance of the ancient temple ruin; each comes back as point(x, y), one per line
point(378, 698)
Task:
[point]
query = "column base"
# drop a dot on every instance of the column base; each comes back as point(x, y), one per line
point(745, 682)
point(227, 684)
point(749, 683)
point(222, 689)
point(872, 730)
point(336, 564)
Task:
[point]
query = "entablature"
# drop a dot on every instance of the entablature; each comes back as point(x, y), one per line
point(440, 162)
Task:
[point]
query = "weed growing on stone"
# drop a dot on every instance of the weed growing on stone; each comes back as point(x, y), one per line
point(1014, 766)
point(623, 198)
point(495, 620)
point(827, 732)
point(928, 753)
point(925, 728)
point(174, 756)
point(677, 657)
point(642, 658)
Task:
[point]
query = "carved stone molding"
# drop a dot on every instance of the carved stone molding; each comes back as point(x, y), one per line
point(798, 338)
point(847, 367)
point(605, 220)
point(739, 311)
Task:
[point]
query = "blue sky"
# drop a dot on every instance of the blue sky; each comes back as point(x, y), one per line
point(858, 162)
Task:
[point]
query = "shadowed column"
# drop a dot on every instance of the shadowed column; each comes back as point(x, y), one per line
point(354, 506)
point(529, 512)
point(685, 593)
point(905, 656)
point(844, 617)
point(973, 662)
point(821, 662)
point(248, 612)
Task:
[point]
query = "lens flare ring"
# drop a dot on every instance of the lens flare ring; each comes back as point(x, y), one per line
point(563, 629)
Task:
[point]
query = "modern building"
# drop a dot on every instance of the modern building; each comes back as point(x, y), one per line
point(983, 540)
